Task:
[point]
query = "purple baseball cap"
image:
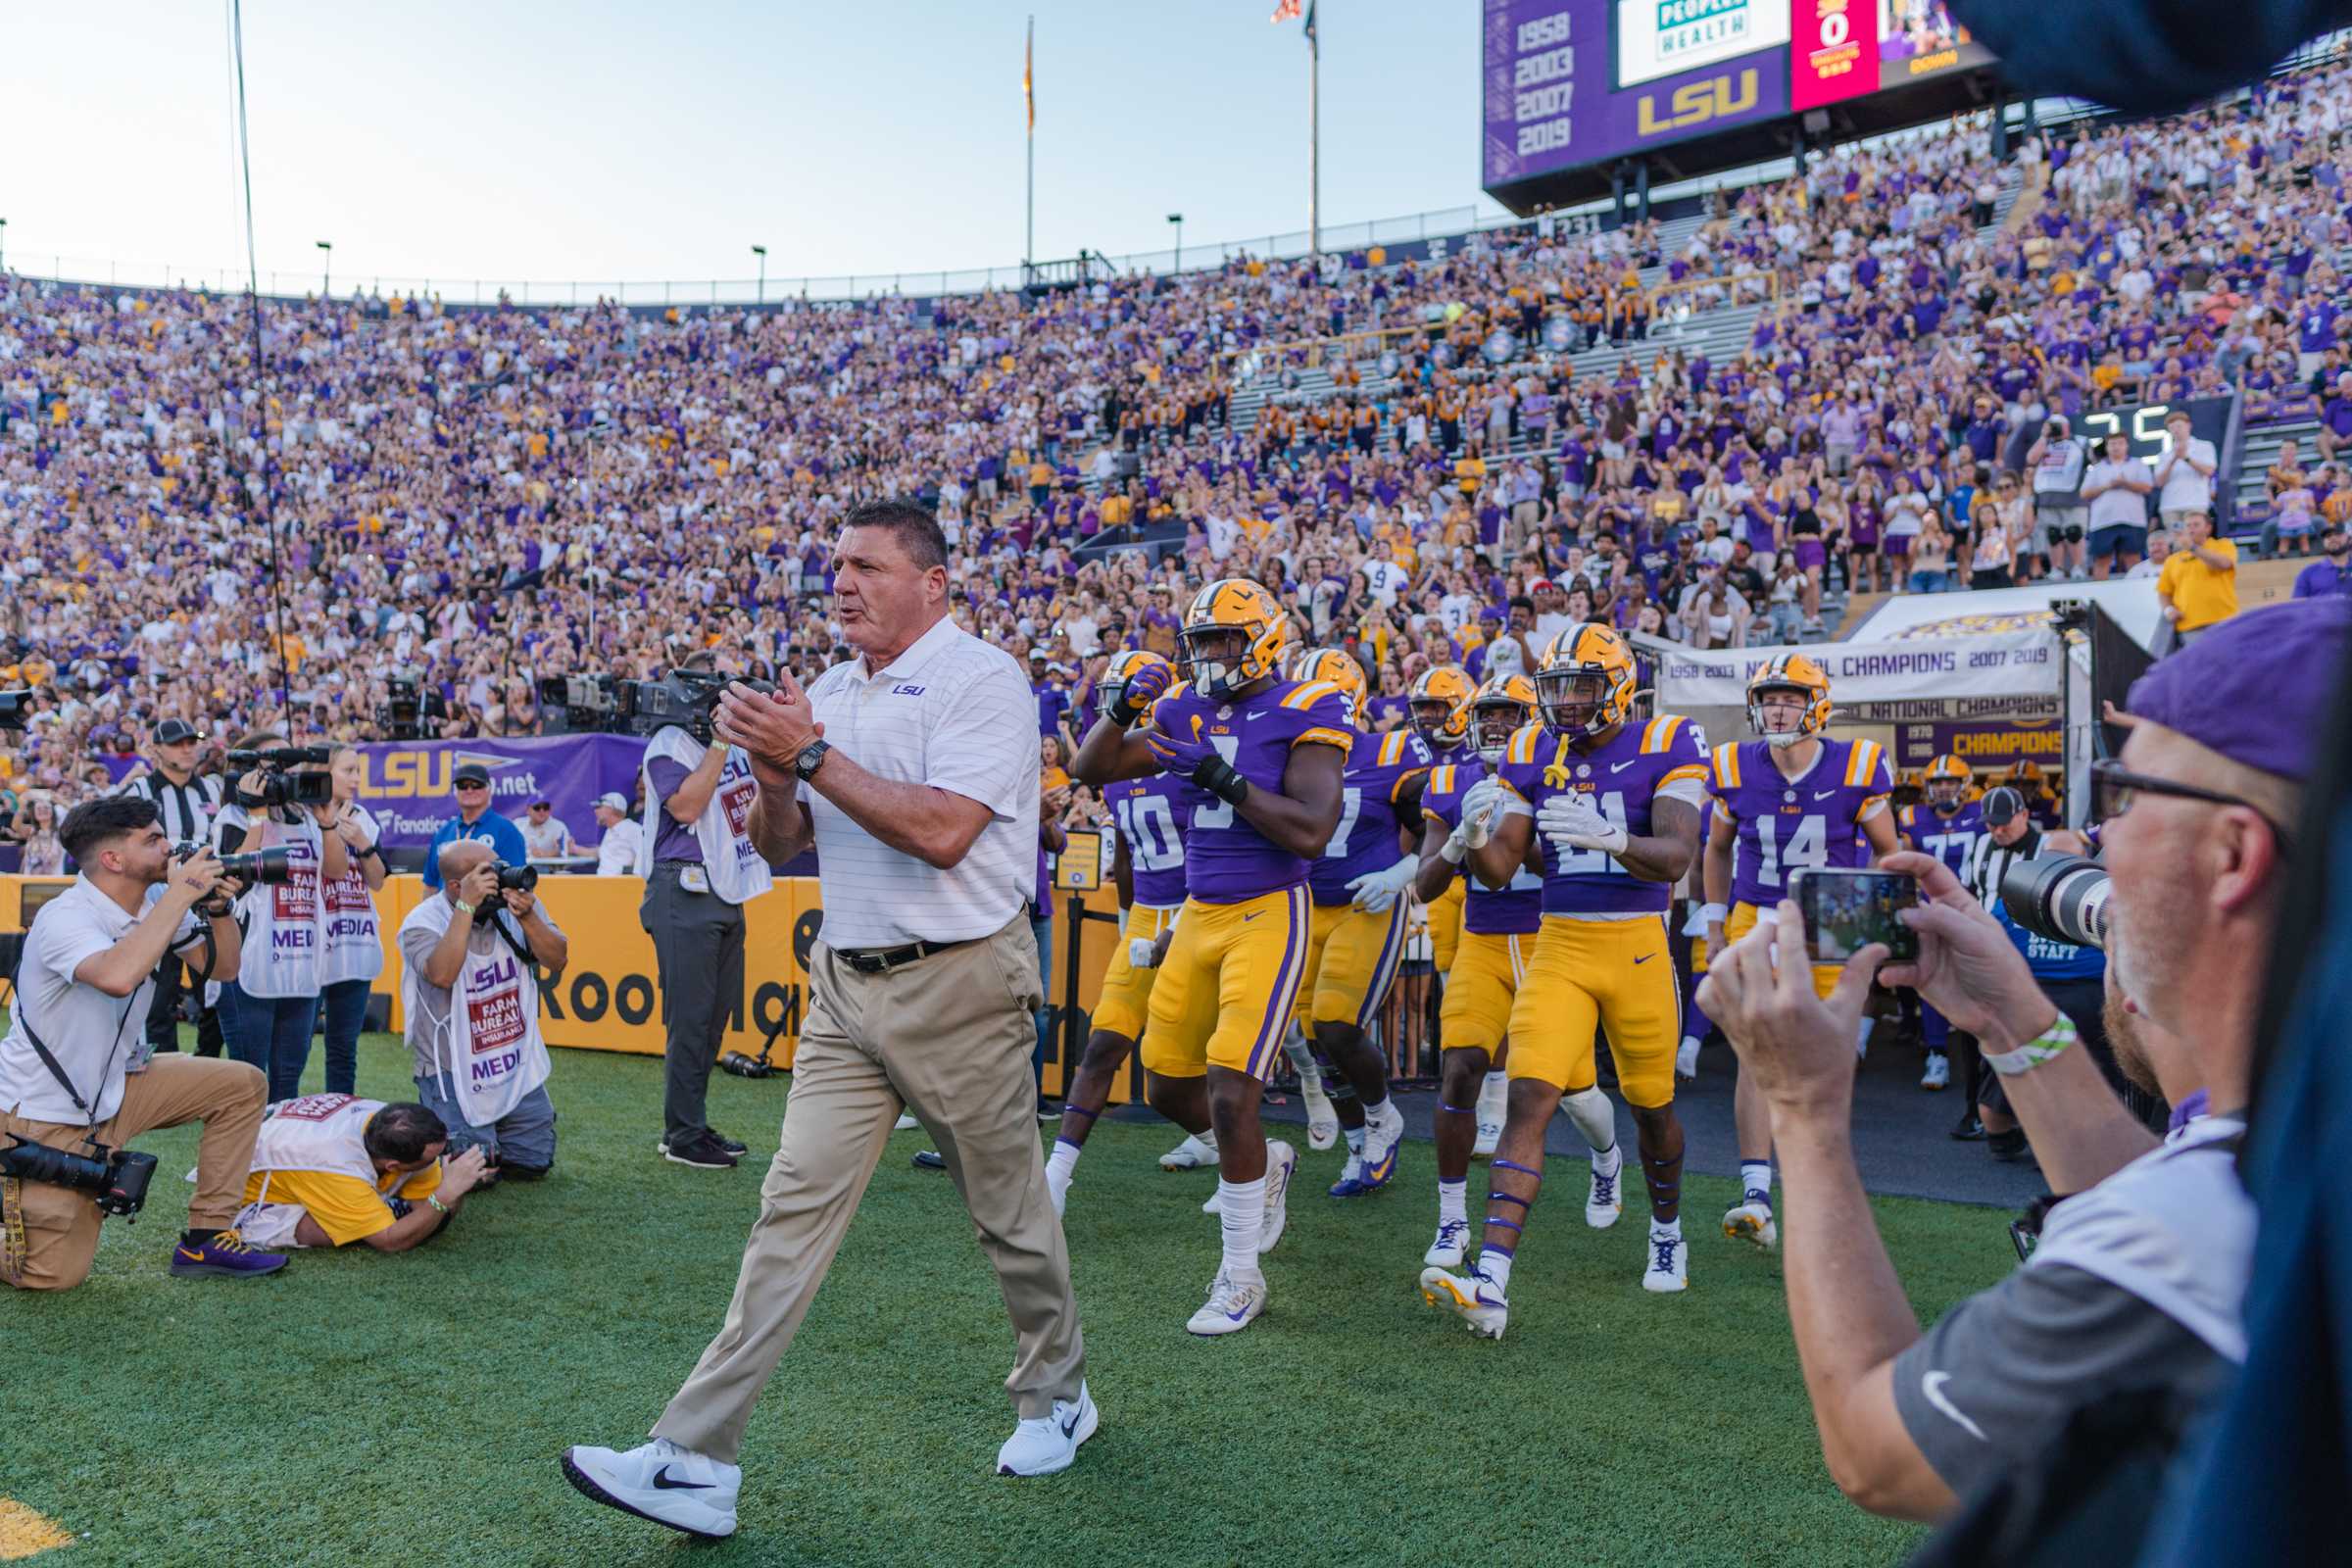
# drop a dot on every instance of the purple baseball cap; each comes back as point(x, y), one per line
point(2256, 687)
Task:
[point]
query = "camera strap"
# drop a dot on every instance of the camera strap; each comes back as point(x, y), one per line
point(41, 1050)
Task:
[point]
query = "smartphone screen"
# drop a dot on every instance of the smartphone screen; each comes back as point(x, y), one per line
point(1846, 911)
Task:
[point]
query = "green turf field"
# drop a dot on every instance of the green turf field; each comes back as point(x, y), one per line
point(409, 1409)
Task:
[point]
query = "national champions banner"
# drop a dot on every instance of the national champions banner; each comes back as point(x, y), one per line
point(407, 784)
point(2014, 673)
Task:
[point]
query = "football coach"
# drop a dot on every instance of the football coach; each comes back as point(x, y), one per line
point(913, 770)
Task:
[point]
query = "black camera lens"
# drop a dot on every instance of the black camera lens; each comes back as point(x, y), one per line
point(517, 878)
point(2059, 898)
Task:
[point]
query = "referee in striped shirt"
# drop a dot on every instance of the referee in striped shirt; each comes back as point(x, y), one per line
point(188, 804)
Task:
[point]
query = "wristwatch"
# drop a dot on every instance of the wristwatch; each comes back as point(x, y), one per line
point(813, 757)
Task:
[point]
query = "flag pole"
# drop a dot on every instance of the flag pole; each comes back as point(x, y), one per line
point(1314, 136)
point(1029, 200)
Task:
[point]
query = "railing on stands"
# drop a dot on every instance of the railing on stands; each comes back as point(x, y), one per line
point(1740, 288)
point(1317, 351)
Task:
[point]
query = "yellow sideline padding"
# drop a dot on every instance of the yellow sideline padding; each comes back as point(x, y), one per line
point(606, 998)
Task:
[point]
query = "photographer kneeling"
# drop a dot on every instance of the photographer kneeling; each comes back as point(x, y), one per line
point(332, 1169)
point(75, 1068)
point(469, 999)
point(2139, 1276)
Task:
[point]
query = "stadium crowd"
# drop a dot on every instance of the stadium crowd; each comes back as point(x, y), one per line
point(477, 498)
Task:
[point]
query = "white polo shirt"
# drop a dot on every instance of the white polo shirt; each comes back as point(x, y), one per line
point(954, 712)
point(96, 1037)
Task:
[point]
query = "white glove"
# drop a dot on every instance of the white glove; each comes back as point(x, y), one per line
point(1140, 951)
point(1573, 822)
point(1480, 796)
point(1375, 891)
point(1703, 916)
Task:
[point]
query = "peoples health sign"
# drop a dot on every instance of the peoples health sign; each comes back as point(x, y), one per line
point(1664, 37)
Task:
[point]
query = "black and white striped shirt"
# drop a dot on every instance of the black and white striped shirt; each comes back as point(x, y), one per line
point(188, 808)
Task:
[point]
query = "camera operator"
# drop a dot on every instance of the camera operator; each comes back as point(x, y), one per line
point(188, 804)
point(469, 999)
point(272, 1007)
point(351, 949)
point(697, 809)
point(2060, 514)
point(2071, 975)
point(2137, 1281)
point(75, 1068)
point(332, 1169)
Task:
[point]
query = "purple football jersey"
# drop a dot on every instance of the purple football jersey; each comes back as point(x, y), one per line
point(1515, 911)
point(1226, 860)
point(1948, 838)
point(1785, 823)
point(1379, 766)
point(1625, 778)
point(1150, 815)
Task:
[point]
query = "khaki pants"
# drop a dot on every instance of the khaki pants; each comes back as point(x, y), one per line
point(49, 1235)
point(947, 1037)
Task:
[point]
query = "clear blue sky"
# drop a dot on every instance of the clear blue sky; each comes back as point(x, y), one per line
point(594, 140)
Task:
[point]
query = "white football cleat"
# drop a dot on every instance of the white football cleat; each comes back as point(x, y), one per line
point(1383, 1135)
point(662, 1481)
point(1453, 1236)
point(1196, 1150)
point(1232, 1305)
point(1939, 1071)
point(905, 1122)
point(1606, 1200)
point(1322, 1122)
point(1686, 1058)
point(1752, 1221)
point(1669, 1263)
point(1473, 1298)
point(1281, 1162)
point(1043, 1444)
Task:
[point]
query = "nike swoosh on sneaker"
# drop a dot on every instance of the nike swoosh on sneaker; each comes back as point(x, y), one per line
point(663, 1483)
point(1071, 1425)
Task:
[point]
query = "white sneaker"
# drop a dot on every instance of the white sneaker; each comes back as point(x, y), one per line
point(1686, 1059)
point(1232, 1305)
point(1752, 1221)
point(1043, 1444)
point(1669, 1263)
point(1322, 1122)
point(905, 1122)
point(1494, 1109)
point(662, 1481)
point(1196, 1150)
point(1939, 1071)
point(1473, 1298)
point(1606, 1200)
point(1453, 1237)
point(1281, 1162)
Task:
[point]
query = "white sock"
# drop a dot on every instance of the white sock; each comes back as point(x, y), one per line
point(1498, 1084)
point(1590, 1110)
point(1756, 1176)
point(1242, 1216)
point(1207, 1139)
point(1496, 1265)
point(1453, 1200)
point(1063, 1161)
point(1376, 1112)
point(1355, 1136)
point(1302, 1057)
point(1609, 1161)
point(1666, 1227)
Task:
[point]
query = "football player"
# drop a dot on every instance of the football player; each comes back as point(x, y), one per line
point(1499, 936)
point(1355, 932)
point(1792, 798)
point(1149, 817)
point(1947, 826)
point(1440, 705)
point(1611, 805)
point(1267, 755)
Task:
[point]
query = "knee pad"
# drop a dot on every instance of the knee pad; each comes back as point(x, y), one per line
point(1593, 1115)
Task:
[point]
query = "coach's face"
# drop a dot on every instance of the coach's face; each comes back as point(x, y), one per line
point(884, 598)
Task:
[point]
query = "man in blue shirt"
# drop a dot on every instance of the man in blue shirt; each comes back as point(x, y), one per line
point(2327, 577)
point(474, 820)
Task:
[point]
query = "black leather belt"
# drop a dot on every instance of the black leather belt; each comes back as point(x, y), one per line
point(881, 961)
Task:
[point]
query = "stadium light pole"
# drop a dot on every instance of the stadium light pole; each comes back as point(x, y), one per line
point(760, 251)
point(327, 269)
point(3, 244)
point(1178, 219)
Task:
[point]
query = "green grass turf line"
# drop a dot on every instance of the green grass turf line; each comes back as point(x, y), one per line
point(369, 1408)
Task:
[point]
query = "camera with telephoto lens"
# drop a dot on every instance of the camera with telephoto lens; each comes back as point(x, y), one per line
point(686, 698)
point(515, 878)
point(2060, 897)
point(114, 1177)
point(255, 867)
point(15, 709)
point(279, 785)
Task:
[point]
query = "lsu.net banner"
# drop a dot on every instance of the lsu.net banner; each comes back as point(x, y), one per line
point(1949, 678)
point(407, 784)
